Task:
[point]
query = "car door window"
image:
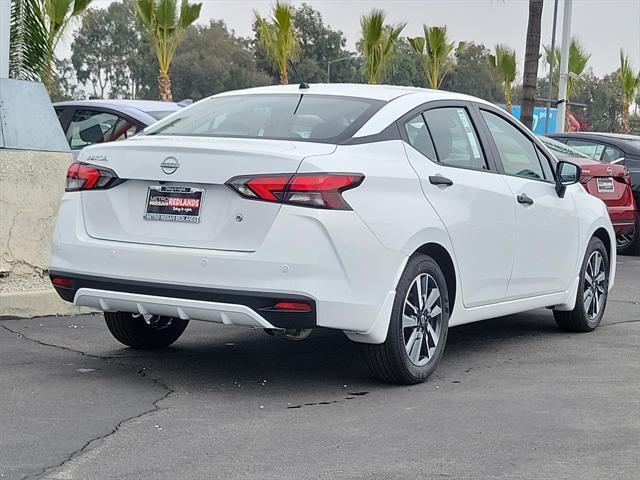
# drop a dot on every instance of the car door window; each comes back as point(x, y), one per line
point(419, 137)
point(593, 149)
point(88, 127)
point(610, 154)
point(517, 152)
point(454, 137)
point(546, 166)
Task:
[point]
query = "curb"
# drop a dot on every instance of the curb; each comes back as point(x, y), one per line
point(39, 303)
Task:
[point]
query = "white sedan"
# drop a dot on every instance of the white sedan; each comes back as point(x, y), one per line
point(389, 213)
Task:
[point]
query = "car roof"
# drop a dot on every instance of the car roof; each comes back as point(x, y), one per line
point(374, 92)
point(116, 104)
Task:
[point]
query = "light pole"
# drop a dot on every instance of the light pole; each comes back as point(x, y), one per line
point(564, 66)
point(551, 63)
point(335, 61)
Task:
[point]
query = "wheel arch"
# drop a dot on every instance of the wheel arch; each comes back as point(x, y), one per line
point(442, 256)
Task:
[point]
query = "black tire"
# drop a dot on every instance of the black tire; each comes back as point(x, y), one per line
point(583, 318)
point(633, 247)
point(134, 331)
point(389, 361)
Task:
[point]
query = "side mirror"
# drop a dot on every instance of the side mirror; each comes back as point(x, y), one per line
point(566, 174)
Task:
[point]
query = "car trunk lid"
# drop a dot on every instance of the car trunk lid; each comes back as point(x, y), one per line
point(172, 180)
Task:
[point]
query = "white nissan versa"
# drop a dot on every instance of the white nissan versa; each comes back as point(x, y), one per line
point(389, 213)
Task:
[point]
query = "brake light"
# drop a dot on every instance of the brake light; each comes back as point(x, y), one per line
point(82, 176)
point(316, 190)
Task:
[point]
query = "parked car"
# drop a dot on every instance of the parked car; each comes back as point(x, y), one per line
point(615, 149)
point(86, 122)
point(389, 213)
point(609, 182)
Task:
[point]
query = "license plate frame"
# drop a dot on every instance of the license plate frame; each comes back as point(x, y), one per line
point(605, 185)
point(174, 204)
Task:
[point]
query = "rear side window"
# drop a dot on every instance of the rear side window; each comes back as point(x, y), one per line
point(517, 153)
point(594, 150)
point(88, 127)
point(419, 137)
point(312, 118)
point(454, 137)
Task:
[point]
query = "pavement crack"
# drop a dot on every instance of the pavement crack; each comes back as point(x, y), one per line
point(88, 445)
point(141, 371)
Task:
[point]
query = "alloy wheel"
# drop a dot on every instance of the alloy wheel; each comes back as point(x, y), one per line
point(422, 319)
point(594, 287)
point(625, 239)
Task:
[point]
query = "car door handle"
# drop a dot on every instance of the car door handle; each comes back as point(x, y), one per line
point(440, 180)
point(524, 198)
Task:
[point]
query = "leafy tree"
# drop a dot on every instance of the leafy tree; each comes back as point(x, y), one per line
point(504, 63)
point(531, 60)
point(320, 45)
point(106, 51)
point(377, 44)
point(404, 69)
point(29, 47)
point(436, 54)
point(166, 27)
point(211, 60)
point(278, 38)
point(629, 84)
point(473, 75)
point(37, 26)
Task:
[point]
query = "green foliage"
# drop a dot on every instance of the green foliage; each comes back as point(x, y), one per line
point(629, 80)
point(29, 47)
point(473, 75)
point(166, 26)
point(36, 28)
point(212, 60)
point(505, 65)
point(436, 54)
point(109, 52)
point(578, 60)
point(278, 39)
point(377, 44)
point(404, 69)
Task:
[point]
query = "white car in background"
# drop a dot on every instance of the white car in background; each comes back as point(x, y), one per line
point(389, 213)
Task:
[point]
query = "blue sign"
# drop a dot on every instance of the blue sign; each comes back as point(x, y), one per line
point(539, 117)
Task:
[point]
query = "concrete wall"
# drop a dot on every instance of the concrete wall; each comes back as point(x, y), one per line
point(31, 184)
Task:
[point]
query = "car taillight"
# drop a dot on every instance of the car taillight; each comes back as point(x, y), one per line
point(317, 190)
point(82, 176)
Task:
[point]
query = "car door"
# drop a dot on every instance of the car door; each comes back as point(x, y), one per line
point(474, 203)
point(546, 246)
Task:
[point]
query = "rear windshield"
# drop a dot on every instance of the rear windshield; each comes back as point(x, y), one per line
point(311, 118)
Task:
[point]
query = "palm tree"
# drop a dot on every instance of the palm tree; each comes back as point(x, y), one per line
point(629, 84)
point(378, 43)
point(36, 28)
point(166, 28)
point(435, 52)
point(278, 38)
point(531, 60)
point(504, 64)
point(578, 60)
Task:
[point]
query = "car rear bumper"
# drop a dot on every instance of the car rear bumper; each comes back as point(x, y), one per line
point(254, 309)
point(330, 260)
point(623, 219)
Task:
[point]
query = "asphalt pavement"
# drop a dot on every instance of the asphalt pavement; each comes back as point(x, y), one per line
point(514, 398)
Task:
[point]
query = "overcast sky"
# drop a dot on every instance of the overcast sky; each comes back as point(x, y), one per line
point(603, 26)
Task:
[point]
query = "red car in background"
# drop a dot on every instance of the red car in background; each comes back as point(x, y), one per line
point(611, 183)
